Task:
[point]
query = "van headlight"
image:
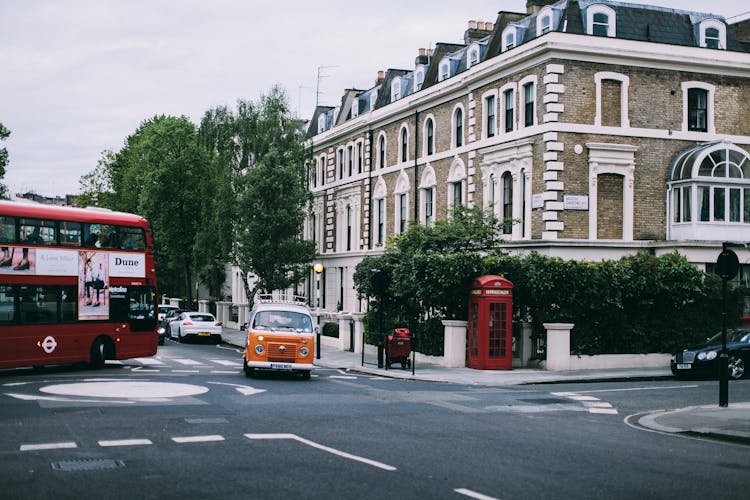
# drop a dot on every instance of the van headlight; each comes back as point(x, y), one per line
point(259, 349)
point(303, 352)
point(711, 355)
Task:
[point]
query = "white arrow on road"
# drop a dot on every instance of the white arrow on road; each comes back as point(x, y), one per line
point(245, 390)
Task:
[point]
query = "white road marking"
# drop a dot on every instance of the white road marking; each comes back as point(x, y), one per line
point(641, 389)
point(186, 361)
point(198, 439)
point(604, 411)
point(31, 397)
point(225, 362)
point(149, 361)
point(185, 371)
point(245, 390)
point(592, 404)
point(47, 446)
point(344, 377)
point(125, 442)
point(583, 398)
point(473, 494)
point(136, 389)
point(141, 369)
point(223, 372)
point(328, 449)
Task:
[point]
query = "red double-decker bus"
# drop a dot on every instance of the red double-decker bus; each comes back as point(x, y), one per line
point(76, 285)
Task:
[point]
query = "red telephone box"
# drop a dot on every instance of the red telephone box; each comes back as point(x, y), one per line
point(490, 327)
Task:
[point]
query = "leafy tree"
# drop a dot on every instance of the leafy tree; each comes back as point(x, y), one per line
point(96, 186)
point(159, 174)
point(4, 134)
point(260, 146)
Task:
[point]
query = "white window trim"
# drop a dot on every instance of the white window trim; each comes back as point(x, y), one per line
point(624, 86)
point(601, 9)
point(444, 69)
point(545, 12)
point(710, 125)
point(713, 23)
point(427, 182)
point(355, 107)
point(419, 72)
point(378, 153)
point(424, 135)
point(522, 101)
point(402, 188)
point(517, 162)
point(340, 162)
point(473, 48)
point(401, 144)
point(453, 126)
point(396, 89)
point(357, 144)
point(509, 30)
point(505, 88)
point(373, 99)
point(321, 170)
point(457, 174)
point(380, 193)
point(489, 93)
point(618, 159)
point(322, 123)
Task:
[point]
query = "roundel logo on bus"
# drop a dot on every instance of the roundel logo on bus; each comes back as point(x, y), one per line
point(48, 344)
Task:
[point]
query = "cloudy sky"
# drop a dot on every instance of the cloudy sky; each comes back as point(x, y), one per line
point(78, 76)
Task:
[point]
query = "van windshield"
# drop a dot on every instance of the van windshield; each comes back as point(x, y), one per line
point(282, 320)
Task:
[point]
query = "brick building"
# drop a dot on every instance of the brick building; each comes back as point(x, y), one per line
point(599, 128)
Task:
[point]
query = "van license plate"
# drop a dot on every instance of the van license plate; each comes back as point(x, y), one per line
point(204, 334)
point(281, 366)
point(684, 366)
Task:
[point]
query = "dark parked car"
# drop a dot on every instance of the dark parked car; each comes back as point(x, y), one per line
point(164, 326)
point(703, 360)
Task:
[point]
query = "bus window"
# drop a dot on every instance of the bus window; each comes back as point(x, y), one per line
point(7, 229)
point(68, 304)
point(132, 238)
point(70, 233)
point(92, 235)
point(7, 304)
point(37, 232)
point(109, 237)
point(38, 304)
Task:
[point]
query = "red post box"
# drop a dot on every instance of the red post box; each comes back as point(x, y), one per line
point(489, 343)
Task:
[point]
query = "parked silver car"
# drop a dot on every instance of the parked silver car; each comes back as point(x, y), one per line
point(195, 325)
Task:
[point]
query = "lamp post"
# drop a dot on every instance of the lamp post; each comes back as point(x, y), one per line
point(727, 265)
point(379, 282)
point(318, 268)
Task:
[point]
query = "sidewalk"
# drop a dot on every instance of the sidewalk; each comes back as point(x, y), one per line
point(731, 423)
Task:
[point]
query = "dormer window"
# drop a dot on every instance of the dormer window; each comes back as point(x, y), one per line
point(713, 34)
point(396, 89)
point(355, 108)
point(472, 57)
point(321, 123)
point(544, 21)
point(418, 78)
point(373, 99)
point(445, 69)
point(600, 21)
point(509, 38)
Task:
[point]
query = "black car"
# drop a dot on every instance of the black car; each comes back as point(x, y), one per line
point(703, 360)
point(164, 326)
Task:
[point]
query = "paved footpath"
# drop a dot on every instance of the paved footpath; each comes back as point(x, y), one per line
point(730, 424)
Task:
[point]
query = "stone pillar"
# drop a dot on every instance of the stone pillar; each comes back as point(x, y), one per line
point(222, 312)
point(558, 346)
point(344, 340)
point(454, 344)
point(242, 313)
point(203, 305)
point(358, 331)
point(524, 346)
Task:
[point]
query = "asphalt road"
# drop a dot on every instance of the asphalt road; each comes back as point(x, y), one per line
point(188, 424)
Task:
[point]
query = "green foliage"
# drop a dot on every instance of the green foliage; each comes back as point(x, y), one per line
point(635, 304)
point(330, 330)
point(4, 134)
point(96, 186)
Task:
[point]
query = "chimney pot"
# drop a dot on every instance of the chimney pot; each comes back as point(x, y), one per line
point(472, 25)
point(422, 52)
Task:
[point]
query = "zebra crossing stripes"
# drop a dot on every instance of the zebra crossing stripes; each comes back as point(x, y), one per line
point(592, 404)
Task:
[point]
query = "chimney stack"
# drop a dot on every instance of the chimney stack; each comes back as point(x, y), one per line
point(534, 6)
point(381, 77)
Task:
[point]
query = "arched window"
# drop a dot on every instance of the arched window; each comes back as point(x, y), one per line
point(544, 21)
point(418, 78)
point(507, 181)
point(710, 193)
point(458, 127)
point(404, 139)
point(600, 21)
point(445, 69)
point(396, 89)
point(712, 34)
point(401, 203)
point(456, 184)
point(472, 57)
point(379, 196)
point(429, 133)
point(381, 152)
point(509, 38)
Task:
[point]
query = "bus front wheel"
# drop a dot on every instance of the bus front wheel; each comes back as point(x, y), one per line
point(99, 353)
